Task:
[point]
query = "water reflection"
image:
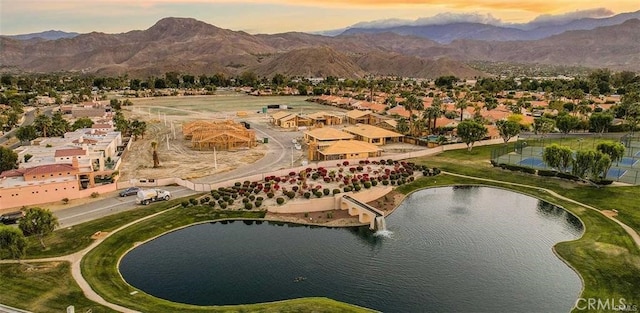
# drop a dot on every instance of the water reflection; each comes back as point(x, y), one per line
point(553, 212)
point(498, 261)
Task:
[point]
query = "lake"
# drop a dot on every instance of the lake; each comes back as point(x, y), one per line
point(451, 249)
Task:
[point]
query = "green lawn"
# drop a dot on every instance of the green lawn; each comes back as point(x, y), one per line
point(42, 288)
point(72, 239)
point(476, 163)
point(227, 102)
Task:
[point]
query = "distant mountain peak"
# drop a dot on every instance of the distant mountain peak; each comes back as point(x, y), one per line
point(179, 26)
point(46, 35)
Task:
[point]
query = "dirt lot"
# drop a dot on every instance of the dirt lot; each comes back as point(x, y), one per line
point(177, 159)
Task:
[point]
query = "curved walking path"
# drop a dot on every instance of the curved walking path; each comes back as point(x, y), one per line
point(634, 235)
point(76, 258)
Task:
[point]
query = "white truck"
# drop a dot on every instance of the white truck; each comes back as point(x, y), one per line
point(146, 196)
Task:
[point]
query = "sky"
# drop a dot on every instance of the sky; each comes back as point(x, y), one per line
point(275, 16)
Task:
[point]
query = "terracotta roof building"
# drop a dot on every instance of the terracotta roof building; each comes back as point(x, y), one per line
point(348, 149)
point(372, 134)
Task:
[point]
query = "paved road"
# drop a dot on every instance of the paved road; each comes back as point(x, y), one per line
point(279, 155)
point(110, 205)
point(28, 120)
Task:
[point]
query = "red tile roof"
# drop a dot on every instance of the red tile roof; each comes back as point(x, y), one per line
point(70, 152)
point(49, 168)
point(12, 173)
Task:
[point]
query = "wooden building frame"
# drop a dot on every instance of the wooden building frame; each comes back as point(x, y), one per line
point(221, 135)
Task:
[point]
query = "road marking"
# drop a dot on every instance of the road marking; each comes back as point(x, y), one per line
point(107, 207)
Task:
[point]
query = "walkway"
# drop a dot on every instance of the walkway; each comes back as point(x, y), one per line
point(634, 235)
point(76, 258)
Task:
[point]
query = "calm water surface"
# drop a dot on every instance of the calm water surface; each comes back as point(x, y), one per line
point(468, 249)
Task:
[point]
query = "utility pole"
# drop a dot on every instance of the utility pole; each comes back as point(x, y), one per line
point(291, 156)
point(215, 159)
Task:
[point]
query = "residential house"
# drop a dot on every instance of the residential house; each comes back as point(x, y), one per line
point(347, 149)
point(372, 134)
point(363, 117)
point(325, 136)
point(324, 118)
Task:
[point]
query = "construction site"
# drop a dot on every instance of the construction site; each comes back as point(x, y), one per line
point(224, 135)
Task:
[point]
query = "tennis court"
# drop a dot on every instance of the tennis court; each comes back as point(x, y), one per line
point(626, 170)
point(532, 162)
point(615, 173)
point(631, 162)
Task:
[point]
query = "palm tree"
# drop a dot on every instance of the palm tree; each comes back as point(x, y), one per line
point(461, 103)
point(433, 112)
point(138, 128)
point(412, 103)
point(42, 123)
point(156, 159)
point(402, 127)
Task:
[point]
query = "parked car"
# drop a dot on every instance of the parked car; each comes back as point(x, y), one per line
point(11, 218)
point(131, 191)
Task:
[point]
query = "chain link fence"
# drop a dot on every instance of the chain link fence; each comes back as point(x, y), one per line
point(528, 153)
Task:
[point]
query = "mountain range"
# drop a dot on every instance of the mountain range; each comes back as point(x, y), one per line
point(191, 46)
point(46, 35)
point(450, 28)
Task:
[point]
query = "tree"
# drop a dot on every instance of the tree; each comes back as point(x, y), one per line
point(614, 150)
point(26, 133)
point(508, 129)
point(248, 78)
point(600, 122)
point(278, 79)
point(557, 156)
point(461, 103)
point(543, 125)
point(566, 123)
point(42, 124)
point(8, 159)
point(446, 81)
point(601, 166)
point(38, 222)
point(12, 118)
point(138, 128)
point(470, 132)
point(432, 113)
point(83, 122)
point(59, 125)
point(412, 103)
point(115, 104)
point(12, 240)
point(156, 159)
point(402, 126)
point(583, 162)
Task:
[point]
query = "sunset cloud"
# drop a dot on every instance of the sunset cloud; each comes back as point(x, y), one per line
point(271, 16)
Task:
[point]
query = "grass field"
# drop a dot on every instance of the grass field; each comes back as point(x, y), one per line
point(69, 240)
point(43, 288)
point(228, 103)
